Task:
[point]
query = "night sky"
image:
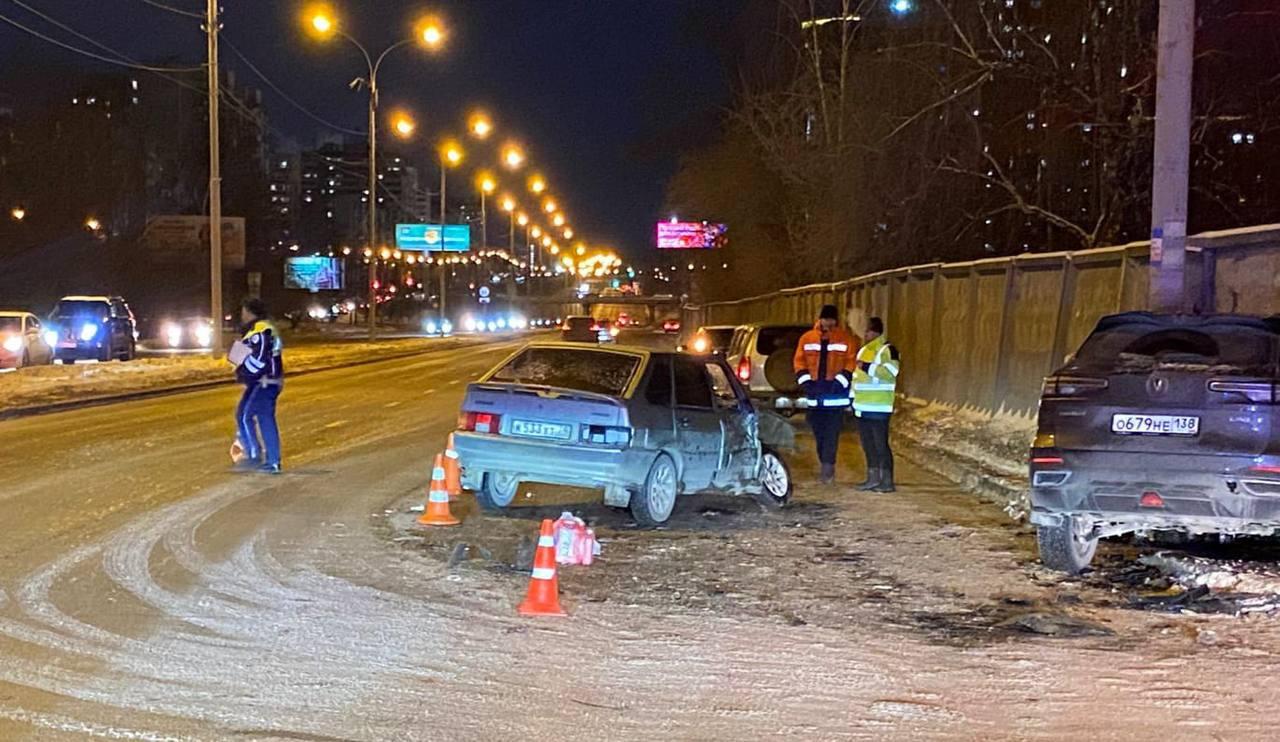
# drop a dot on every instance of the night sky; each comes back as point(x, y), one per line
point(604, 93)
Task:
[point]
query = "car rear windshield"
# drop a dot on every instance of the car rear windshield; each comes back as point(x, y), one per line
point(582, 370)
point(774, 338)
point(10, 324)
point(580, 321)
point(82, 309)
point(1141, 348)
point(719, 338)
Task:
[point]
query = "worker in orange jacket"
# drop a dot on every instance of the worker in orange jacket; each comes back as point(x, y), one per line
point(826, 358)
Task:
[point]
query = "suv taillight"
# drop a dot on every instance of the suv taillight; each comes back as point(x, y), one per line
point(479, 422)
point(1260, 392)
point(1072, 386)
point(744, 368)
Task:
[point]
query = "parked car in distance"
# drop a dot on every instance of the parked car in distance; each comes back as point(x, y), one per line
point(643, 426)
point(1158, 423)
point(671, 325)
point(22, 341)
point(762, 357)
point(583, 329)
point(712, 339)
point(189, 333)
point(92, 328)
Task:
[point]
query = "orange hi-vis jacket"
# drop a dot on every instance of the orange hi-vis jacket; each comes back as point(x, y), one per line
point(824, 365)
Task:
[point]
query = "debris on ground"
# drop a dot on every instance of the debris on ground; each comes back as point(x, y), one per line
point(1055, 624)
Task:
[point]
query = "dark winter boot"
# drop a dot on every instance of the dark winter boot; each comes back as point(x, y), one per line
point(828, 474)
point(886, 481)
point(874, 475)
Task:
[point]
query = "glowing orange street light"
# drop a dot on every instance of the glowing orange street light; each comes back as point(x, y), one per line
point(403, 125)
point(430, 32)
point(480, 125)
point(508, 204)
point(549, 206)
point(523, 220)
point(537, 184)
point(546, 241)
point(582, 250)
point(568, 234)
point(512, 156)
point(18, 213)
point(92, 224)
point(558, 220)
point(536, 232)
point(321, 20)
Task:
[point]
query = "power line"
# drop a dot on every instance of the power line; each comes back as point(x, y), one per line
point(286, 96)
point(122, 58)
point(171, 9)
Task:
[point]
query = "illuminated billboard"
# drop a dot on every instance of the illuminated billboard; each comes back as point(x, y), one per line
point(434, 238)
point(313, 274)
point(690, 235)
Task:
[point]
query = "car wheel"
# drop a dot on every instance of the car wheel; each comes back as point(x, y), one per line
point(105, 354)
point(775, 480)
point(652, 505)
point(132, 352)
point(1064, 549)
point(497, 490)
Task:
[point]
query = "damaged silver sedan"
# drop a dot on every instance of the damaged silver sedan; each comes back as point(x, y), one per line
point(644, 426)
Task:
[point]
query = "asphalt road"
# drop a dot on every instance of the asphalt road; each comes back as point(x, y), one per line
point(147, 593)
point(139, 578)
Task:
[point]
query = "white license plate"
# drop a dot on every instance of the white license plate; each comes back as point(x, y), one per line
point(1129, 424)
point(532, 429)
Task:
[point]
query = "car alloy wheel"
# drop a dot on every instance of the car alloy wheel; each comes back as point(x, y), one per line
point(775, 480)
point(655, 501)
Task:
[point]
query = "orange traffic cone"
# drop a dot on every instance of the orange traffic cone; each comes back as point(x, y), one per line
point(543, 598)
point(437, 510)
point(452, 471)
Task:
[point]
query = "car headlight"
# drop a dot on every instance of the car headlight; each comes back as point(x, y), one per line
point(613, 331)
point(88, 331)
point(502, 323)
point(51, 338)
point(173, 334)
point(446, 327)
point(700, 345)
point(493, 326)
point(518, 323)
point(13, 343)
point(469, 323)
point(430, 326)
point(204, 335)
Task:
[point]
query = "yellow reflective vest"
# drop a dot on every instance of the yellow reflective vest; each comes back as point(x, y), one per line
point(875, 382)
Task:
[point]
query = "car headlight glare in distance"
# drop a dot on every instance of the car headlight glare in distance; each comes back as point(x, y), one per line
point(51, 338)
point(204, 335)
point(173, 334)
point(13, 343)
point(446, 327)
point(88, 331)
point(430, 326)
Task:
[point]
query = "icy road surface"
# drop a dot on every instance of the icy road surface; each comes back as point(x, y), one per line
point(148, 594)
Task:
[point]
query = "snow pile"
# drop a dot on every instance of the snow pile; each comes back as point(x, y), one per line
point(983, 451)
point(44, 385)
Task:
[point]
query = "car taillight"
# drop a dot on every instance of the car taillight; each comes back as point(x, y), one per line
point(609, 435)
point(595, 327)
point(479, 422)
point(744, 369)
point(1072, 386)
point(1260, 392)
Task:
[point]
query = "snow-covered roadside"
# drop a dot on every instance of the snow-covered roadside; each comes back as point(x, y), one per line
point(46, 385)
point(983, 451)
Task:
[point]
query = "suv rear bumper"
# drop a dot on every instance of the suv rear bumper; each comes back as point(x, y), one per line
point(552, 463)
point(1196, 494)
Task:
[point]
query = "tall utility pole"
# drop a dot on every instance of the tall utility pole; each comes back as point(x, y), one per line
point(444, 214)
point(1167, 288)
point(215, 184)
point(373, 199)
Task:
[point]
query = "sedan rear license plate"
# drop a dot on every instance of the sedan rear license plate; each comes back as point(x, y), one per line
point(531, 429)
point(1129, 424)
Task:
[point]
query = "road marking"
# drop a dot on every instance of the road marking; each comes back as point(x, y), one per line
point(454, 382)
point(391, 404)
point(335, 424)
point(430, 391)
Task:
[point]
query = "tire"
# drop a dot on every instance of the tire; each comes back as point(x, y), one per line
point(497, 491)
point(26, 359)
point(656, 500)
point(776, 485)
point(132, 352)
point(105, 354)
point(1062, 549)
point(779, 372)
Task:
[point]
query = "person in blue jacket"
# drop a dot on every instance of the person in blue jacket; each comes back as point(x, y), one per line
point(262, 373)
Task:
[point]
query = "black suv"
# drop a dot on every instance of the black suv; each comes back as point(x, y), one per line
point(92, 327)
point(1159, 423)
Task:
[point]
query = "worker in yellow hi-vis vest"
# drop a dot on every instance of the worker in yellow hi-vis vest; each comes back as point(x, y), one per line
point(874, 388)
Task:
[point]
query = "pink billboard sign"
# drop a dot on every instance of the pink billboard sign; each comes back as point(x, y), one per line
point(690, 235)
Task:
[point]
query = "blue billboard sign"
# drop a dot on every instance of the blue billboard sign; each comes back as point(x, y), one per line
point(433, 237)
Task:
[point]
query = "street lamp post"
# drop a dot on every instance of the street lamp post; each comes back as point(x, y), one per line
point(430, 34)
point(450, 154)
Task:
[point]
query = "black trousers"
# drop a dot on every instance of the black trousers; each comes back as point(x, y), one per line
point(874, 431)
point(826, 425)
